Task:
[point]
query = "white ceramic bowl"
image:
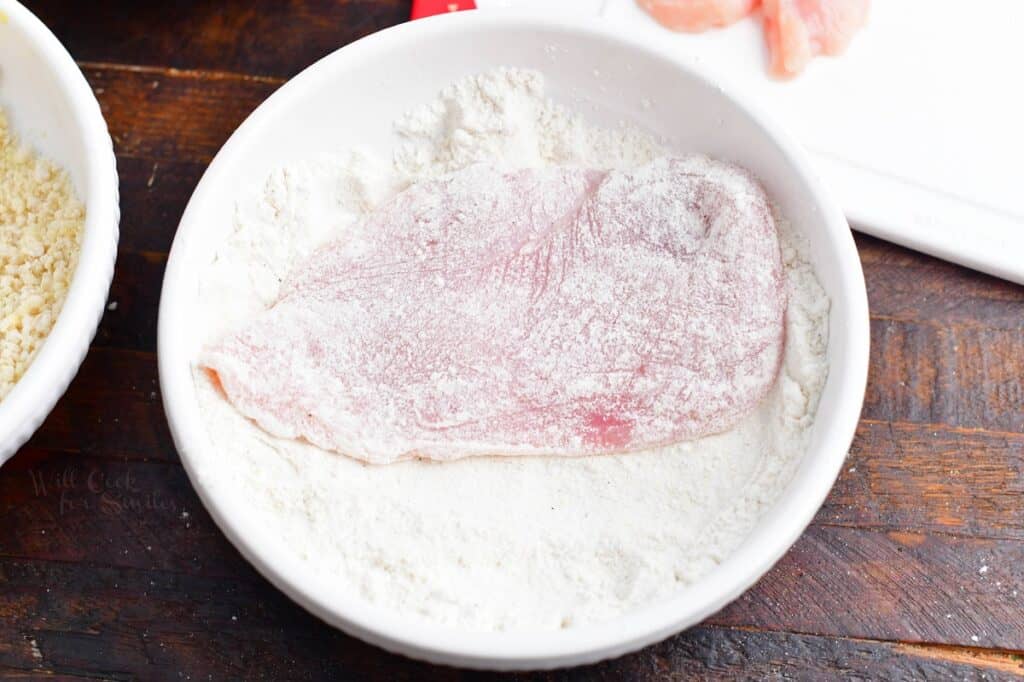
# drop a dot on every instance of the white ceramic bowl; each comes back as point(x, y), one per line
point(348, 99)
point(51, 106)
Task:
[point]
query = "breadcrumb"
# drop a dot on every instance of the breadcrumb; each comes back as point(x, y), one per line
point(41, 224)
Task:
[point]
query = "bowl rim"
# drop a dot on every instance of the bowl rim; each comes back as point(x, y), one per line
point(515, 650)
point(62, 352)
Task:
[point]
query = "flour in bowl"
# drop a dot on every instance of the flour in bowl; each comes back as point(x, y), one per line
point(493, 543)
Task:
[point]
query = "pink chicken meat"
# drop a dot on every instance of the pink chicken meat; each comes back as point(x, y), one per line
point(528, 312)
point(695, 16)
point(796, 30)
point(799, 30)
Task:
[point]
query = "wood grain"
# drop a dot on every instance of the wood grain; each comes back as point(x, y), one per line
point(919, 588)
point(125, 623)
point(265, 37)
point(154, 194)
point(111, 409)
point(165, 115)
point(101, 511)
point(930, 478)
point(131, 317)
point(958, 375)
point(904, 285)
point(728, 654)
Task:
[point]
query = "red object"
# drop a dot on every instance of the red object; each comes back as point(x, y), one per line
point(427, 8)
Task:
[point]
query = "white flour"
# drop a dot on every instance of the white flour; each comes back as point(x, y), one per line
point(494, 543)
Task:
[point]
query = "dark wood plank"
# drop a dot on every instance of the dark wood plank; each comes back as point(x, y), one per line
point(947, 343)
point(150, 625)
point(909, 286)
point(124, 623)
point(728, 654)
point(173, 116)
point(897, 586)
point(76, 508)
point(112, 408)
point(153, 197)
point(931, 479)
point(266, 37)
point(968, 376)
point(130, 321)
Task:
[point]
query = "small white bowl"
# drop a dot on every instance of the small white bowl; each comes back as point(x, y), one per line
point(349, 99)
point(52, 108)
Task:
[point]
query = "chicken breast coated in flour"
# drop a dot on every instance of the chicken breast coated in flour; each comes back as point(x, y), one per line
point(522, 312)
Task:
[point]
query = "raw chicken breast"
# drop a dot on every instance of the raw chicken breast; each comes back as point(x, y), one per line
point(799, 30)
point(695, 16)
point(557, 311)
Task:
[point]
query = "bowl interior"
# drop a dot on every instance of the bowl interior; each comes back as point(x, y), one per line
point(51, 107)
point(36, 100)
point(349, 100)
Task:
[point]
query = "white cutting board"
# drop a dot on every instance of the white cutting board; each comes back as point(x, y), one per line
point(918, 128)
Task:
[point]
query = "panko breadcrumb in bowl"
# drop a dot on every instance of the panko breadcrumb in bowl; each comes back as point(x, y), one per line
point(58, 221)
point(41, 223)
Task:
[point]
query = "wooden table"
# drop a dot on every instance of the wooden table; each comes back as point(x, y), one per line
point(110, 567)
